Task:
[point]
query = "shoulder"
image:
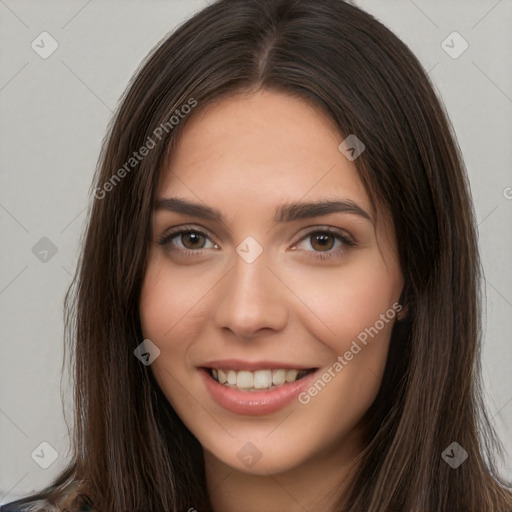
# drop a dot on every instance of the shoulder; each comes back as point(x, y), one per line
point(25, 506)
point(79, 503)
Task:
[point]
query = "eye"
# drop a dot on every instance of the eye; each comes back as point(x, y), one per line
point(325, 243)
point(322, 242)
point(187, 240)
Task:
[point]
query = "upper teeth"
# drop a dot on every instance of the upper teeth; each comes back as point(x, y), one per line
point(259, 379)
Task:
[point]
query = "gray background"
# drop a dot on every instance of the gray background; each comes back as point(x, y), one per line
point(54, 113)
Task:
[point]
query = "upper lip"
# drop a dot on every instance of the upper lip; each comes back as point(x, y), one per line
point(238, 364)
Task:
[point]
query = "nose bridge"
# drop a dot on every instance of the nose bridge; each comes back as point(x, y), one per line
point(251, 298)
point(250, 279)
point(250, 275)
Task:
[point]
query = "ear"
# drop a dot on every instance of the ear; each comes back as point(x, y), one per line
point(404, 306)
point(402, 314)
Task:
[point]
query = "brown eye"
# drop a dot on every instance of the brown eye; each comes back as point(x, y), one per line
point(322, 241)
point(192, 240)
point(325, 243)
point(187, 240)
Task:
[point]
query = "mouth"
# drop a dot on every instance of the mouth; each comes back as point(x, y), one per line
point(249, 388)
point(257, 380)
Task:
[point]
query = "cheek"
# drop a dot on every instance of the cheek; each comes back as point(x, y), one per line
point(170, 320)
point(350, 302)
point(169, 300)
point(350, 310)
point(357, 307)
point(355, 310)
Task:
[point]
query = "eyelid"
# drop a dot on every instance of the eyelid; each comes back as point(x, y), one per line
point(178, 230)
point(186, 228)
point(344, 235)
point(341, 235)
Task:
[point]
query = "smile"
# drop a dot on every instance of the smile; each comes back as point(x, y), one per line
point(245, 380)
point(255, 389)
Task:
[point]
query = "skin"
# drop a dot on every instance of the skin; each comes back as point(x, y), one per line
point(245, 156)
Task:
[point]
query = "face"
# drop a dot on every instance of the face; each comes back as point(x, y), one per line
point(270, 290)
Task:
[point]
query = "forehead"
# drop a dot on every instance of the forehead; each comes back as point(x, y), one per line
point(264, 147)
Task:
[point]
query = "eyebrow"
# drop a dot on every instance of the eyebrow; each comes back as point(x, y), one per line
point(285, 213)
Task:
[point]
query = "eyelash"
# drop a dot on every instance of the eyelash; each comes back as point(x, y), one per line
point(321, 255)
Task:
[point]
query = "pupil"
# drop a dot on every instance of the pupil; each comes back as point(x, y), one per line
point(323, 241)
point(193, 239)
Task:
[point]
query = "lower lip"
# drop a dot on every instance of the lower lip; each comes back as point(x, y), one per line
point(255, 403)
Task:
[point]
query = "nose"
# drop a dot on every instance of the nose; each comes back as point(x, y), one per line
point(251, 300)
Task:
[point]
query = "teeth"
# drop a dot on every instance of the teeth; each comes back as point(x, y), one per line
point(291, 375)
point(231, 377)
point(260, 379)
point(278, 377)
point(244, 380)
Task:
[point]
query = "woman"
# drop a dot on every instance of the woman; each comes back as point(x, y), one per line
point(277, 304)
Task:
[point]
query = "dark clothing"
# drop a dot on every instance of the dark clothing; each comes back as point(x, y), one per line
point(80, 503)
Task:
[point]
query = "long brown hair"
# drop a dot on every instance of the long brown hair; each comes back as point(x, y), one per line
point(130, 448)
